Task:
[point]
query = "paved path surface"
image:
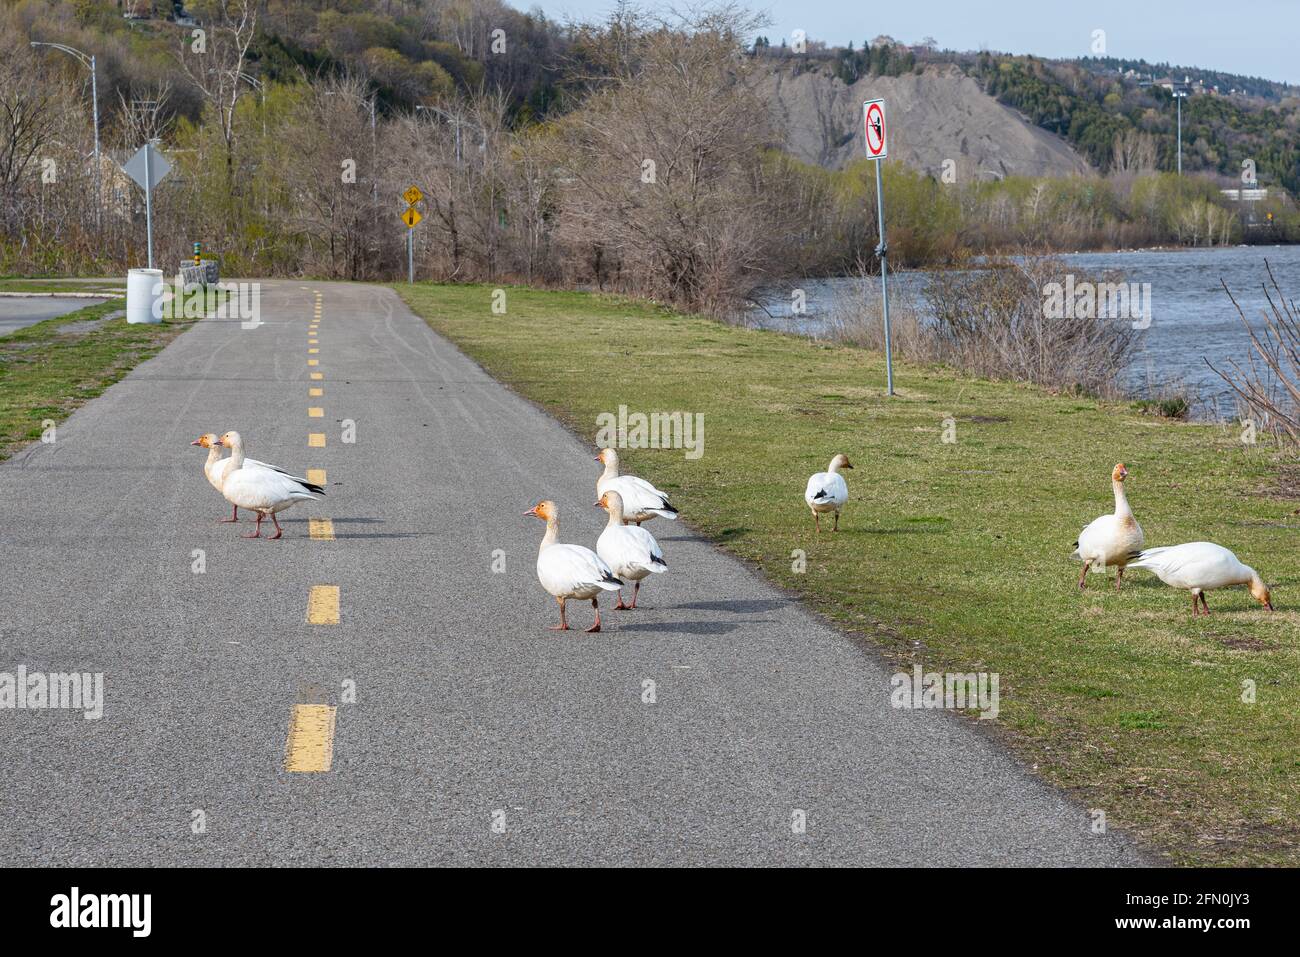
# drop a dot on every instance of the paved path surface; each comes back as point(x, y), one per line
point(19, 311)
point(468, 710)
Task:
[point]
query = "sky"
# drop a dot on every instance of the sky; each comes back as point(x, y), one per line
point(1255, 37)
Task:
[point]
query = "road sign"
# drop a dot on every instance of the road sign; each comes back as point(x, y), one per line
point(147, 167)
point(412, 195)
point(874, 134)
point(873, 122)
point(411, 217)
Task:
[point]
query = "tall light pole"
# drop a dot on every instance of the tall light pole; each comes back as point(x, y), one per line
point(86, 60)
point(453, 120)
point(1180, 94)
point(258, 85)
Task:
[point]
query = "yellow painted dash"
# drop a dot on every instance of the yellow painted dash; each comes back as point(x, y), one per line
point(310, 746)
point(313, 362)
point(321, 529)
point(316, 477)
point(315, 392)
point(313, 342)
point(318, 375)
point(315, 412)
point(323, 605)
point(316, 440)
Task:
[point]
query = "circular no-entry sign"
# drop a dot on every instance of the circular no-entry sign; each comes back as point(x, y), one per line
point(873, 121)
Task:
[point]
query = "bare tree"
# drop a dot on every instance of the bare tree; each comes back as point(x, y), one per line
point(213, 59)
point(1269, 386)
point(662, 165)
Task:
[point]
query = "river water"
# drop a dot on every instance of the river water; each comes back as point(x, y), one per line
point(1192, 318)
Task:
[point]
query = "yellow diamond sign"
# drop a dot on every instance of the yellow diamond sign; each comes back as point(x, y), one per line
point(412, 195)
point(411, 217)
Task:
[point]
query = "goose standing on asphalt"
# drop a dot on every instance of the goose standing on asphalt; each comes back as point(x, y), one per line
point(1200, 567)
point(629, 550)
point(1111, 539)
point(215, 468)
point(260, 490)
point(641, 500)
point(570, 571)
point(827, 491)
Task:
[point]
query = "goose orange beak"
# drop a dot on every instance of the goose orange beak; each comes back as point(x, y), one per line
point(197, 442)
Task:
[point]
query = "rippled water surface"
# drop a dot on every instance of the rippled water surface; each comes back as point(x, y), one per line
point(1192, 318)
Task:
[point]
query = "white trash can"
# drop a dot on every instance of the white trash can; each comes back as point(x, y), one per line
point(144, 293)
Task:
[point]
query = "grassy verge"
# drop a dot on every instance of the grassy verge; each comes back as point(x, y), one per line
point(955, 555)
point(49, 369)
point(19, 284)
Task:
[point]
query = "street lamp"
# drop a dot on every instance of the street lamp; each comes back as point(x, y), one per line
point(455, 121)
point(1180, 94)
point(86, 60)
point(258, 85)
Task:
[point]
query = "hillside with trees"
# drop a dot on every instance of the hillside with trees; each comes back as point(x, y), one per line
point(637, 154)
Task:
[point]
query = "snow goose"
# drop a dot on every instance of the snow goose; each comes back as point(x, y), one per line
point(629, 550)
point(1111, 539)
point(215, 468)
point(261, 490)
point(1199, 567)
point(641, 500)
point(827, 491)
point(570, 571)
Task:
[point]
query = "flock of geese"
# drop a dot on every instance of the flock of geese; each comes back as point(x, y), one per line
point(627, 553)
point(1117, 540)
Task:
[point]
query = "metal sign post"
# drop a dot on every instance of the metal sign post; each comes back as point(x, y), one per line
point(148, 167)
point(873, 123)
point(411, 217)
point(148, 201)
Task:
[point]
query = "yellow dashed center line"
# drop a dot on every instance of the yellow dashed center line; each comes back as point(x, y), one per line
point(310, 746)
point(316, 440)
point(318, 375)
point(313, 342)
point(315, 392)
point(321, 529)
point(315, 412)
point(316, 477)
point(323, 605)
point(313, 362)
point(312, 352)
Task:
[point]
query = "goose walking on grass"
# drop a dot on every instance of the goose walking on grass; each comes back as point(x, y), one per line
point(641, 500)
point(260, 490)
point(1111, 539)
point(1200, 567)
point(570, 571)
point(629, 550)
point(827, 491)
point(215, 468)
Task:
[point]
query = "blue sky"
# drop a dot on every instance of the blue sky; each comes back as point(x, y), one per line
point(1256, 37)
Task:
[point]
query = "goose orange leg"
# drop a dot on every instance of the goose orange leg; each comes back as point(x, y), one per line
point(278, 530)
point(1083, 575)
point(622, 607)
point(836, 526)
point(1119, 577)
point(596, 626)
point(1204, 603)
point(636, 588)
point(234, 517)
point(257, 530)
point(817, 521)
